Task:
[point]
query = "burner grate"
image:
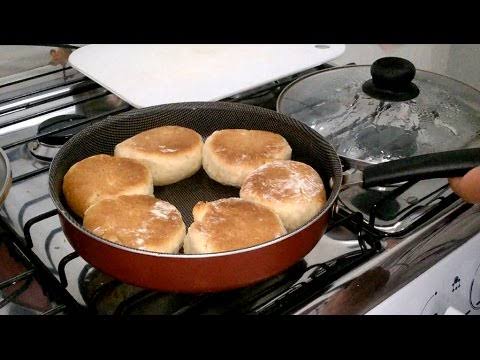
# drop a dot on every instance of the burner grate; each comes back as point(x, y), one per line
point(247, 300)
point(53, 132)
point(34, 271)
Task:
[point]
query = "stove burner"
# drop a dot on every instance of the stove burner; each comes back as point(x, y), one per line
point(387, 210)
point(46, 147)
point(56, 123)
point(107, 296)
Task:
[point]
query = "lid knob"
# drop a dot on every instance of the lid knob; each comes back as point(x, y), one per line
point(391, 80)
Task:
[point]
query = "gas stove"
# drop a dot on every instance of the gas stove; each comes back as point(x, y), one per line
point(378, 241)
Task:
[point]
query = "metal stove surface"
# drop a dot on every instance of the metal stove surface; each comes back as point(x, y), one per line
point(28, 210)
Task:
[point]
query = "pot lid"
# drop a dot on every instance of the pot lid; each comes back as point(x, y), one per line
point(385, 111)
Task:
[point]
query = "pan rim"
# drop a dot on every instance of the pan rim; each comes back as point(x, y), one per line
point(65, 213)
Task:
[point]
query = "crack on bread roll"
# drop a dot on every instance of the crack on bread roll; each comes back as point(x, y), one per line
point(172, 153)
point(137, 221)
point(294, 190)
point(230, 224)
point(102, 177)
point(230, 155)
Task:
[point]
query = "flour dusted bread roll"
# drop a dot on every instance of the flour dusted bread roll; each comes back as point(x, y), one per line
point(137, 221)
point(102, 177)
point(229, 224)
point(230, 155)
point(172, 153)
point(292, 189)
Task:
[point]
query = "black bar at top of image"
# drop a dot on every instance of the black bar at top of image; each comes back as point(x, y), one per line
point(243, 22)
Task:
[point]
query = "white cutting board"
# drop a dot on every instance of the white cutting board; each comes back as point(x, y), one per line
point(147, 75)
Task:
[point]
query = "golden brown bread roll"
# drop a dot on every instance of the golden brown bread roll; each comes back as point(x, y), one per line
point(229, 224)
point(230, 155)
point(103, 177)
point(172, 153)
point(137, 221)
point(292, 189)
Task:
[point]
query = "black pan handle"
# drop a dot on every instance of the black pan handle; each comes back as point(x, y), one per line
point(439, 165)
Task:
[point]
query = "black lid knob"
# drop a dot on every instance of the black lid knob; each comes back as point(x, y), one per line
point(391, 80)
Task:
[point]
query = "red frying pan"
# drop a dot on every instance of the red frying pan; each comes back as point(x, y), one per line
point(231, 269)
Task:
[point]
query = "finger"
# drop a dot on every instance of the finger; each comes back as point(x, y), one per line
point(468, 186)
point(455, 184)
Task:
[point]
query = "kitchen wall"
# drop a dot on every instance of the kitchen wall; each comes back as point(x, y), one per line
point(464, 63)
point(15, 59)
point(460, 61)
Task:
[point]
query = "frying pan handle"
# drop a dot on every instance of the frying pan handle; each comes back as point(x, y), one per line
point(439, 165)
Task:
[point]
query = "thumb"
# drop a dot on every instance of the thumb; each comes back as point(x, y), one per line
point(468, 186)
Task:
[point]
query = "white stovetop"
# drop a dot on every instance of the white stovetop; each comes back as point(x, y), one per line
point(452, 285)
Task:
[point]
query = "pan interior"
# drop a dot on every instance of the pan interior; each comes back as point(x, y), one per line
point(205, 118)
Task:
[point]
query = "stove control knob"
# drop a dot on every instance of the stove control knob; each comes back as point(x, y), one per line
point(435, 305)
point(475, 290)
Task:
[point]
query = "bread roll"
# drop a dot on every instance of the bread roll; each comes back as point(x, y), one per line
point(292, 189)
point(230, 155)
point(172, 153)
point(229, 224)
point(103, 177)
point(137, 221)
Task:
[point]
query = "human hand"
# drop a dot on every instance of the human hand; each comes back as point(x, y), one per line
point(59, 56)
point(468, 186)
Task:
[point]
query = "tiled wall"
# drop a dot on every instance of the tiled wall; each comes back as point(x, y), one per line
point(460, 61)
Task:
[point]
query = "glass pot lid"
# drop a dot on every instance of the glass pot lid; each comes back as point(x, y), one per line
point(385, 111)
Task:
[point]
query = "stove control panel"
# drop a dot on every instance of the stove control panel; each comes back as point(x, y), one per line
point(451, 287)
point(475, 290)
